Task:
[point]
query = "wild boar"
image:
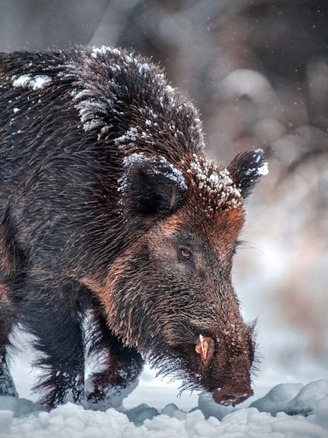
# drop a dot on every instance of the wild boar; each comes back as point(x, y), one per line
point(110, 208)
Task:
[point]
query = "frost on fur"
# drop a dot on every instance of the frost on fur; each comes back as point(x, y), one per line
point(151, 185)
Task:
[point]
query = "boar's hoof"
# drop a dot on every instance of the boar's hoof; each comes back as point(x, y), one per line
point(227, 396)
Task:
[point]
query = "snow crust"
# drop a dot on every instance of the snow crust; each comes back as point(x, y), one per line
point(288, 410)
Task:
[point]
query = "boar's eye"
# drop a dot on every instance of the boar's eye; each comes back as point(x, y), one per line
point(185, 254)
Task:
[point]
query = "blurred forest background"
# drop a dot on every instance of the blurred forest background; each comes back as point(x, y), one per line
point(258, 72)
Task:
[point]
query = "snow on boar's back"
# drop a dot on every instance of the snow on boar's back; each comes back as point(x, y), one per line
point(110, 210)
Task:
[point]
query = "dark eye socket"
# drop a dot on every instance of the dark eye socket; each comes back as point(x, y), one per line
point(185, 254)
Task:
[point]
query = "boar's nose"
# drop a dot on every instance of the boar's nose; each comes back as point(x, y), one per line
point(230, 396)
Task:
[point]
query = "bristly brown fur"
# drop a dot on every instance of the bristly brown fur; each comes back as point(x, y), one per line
point(110, 206)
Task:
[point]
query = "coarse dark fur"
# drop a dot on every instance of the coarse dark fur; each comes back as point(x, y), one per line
point(109, 208)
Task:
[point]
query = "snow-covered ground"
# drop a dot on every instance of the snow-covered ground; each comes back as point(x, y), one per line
point(154, 409)
point(288, 410)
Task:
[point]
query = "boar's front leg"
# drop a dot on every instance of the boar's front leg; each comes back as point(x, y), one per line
point(53, 315)
point(7, 386)
point(120, 366)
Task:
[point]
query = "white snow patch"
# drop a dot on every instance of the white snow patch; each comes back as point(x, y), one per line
point(130, 135)
point(259, 152)
point(263, 170)
point(103, 50)
point(143, 67)
point(169, 89)
point(258, 171)
point(22, 81)
point(35, 82)
point(92, 109)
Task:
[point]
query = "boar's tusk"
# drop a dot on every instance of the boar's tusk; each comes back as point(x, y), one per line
point(202, 348)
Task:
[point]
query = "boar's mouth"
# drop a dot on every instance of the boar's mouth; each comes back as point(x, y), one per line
point(231, 396)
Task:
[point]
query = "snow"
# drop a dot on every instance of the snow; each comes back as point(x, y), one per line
point(217, 183)
point(143, 67)
point(263, 170)
point(28, 81)
point(153, 165)
point(22, 81)
point(153, 409)
point(130, 135)
point(267, 417)
point(103, 51)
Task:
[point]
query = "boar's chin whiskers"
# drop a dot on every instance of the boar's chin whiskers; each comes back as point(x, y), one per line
point(256, 365)
point(172, 366)
point(188, 386)
point(258, 357)
point(176, 369)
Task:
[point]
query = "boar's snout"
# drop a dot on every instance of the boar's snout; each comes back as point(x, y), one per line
point(230, 395)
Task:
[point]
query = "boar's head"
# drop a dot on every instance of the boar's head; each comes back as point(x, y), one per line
point(170, 293)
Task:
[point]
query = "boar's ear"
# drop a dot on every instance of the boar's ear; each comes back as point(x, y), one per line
point(151, 186)
point(246, 169)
